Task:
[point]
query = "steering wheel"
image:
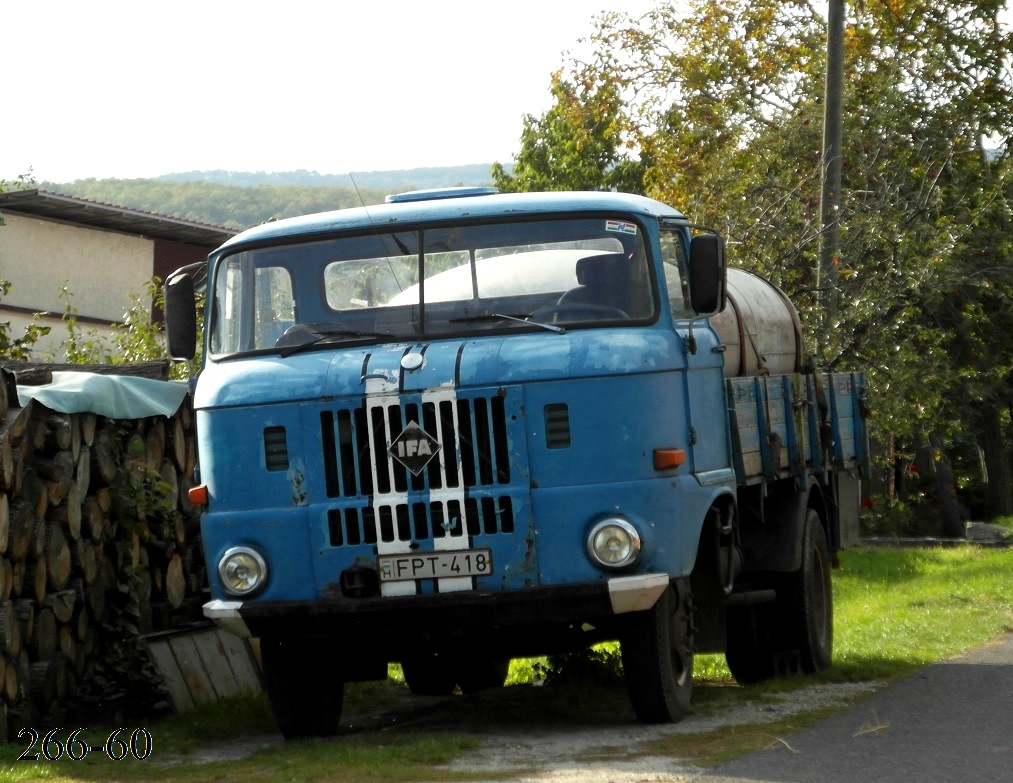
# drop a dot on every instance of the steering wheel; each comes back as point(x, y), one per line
point(577, 311)
point(294, 335)
point(297, 334)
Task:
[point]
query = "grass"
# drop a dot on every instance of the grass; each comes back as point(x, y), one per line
point(1007, 524)
point(896, 610)
point(899, 609)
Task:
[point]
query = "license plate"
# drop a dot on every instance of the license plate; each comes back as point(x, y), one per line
point(435, 565)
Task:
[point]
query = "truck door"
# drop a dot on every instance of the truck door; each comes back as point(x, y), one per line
point(704, 376)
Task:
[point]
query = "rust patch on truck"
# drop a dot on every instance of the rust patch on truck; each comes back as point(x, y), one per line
point(297, 480)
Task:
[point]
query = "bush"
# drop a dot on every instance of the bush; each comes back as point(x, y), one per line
point(918, 516)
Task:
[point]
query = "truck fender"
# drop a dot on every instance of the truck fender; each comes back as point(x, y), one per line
point(775, 542)
point(718, 562)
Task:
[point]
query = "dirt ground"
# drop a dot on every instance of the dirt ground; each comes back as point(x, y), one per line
point(528, 734)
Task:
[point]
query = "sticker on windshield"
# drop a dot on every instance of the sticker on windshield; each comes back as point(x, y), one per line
point(621, 226)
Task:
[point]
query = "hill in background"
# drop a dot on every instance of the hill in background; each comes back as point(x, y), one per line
point(239, 200)
point(433, 177)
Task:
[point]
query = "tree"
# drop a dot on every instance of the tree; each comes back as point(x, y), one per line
point(951, 66)
point(724, 103)
point(583, 142)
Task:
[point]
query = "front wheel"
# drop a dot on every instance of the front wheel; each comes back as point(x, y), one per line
point(656, 647)
point(304, 687)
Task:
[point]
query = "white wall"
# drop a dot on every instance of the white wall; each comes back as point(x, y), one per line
point(100, 268)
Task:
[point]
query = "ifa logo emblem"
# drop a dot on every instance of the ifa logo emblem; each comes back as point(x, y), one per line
point(414, 448)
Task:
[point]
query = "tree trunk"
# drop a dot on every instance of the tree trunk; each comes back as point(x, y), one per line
point(953, 524)
point(998, 487)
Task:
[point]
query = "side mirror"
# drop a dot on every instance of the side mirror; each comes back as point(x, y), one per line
point(707, 274)
point(181, 317)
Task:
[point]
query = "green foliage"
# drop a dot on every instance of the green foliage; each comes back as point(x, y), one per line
point(581, 143)
point(601, 665)
point(141, 497)
point(81, 346)
point(914, 516)
point(24, 181)
point(18, 348)
point(134, 340)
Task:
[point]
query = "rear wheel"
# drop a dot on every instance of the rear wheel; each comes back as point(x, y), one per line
point(809, 601)
point(657, 659)
point(749, 654)
point(304, 687)
point(795, 633)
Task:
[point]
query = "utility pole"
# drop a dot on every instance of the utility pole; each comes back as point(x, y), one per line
point(833, 136)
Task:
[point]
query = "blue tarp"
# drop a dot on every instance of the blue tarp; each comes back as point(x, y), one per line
point(114, 396)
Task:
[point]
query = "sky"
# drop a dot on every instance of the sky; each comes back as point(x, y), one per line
point(140, 88)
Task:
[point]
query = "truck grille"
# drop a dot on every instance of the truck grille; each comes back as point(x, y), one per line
point(473, 440)
point(420, 521)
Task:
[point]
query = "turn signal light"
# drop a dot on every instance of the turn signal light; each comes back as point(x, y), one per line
point(198, 495)
point(669, 458)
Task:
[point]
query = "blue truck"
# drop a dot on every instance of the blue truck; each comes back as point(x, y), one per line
point(462, 427)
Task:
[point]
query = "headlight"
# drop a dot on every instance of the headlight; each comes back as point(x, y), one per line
point(613, 543)
point(242, 571)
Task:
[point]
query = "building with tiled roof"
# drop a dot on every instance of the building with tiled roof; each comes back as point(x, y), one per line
point(101, 253)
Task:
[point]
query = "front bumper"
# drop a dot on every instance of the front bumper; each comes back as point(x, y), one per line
point(477, 610)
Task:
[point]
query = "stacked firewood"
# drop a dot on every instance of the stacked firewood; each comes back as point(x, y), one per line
point(99, 545)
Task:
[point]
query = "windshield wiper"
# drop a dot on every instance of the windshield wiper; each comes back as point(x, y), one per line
point(318, 336)
point(502, 317)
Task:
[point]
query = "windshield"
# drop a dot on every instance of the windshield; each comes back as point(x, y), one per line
point(431, 283)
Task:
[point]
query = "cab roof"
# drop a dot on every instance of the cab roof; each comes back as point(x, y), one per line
point(449, 205)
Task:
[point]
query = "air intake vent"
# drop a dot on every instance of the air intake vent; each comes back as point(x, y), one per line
point(275, 448)
point(421, 521)
point(557, 426)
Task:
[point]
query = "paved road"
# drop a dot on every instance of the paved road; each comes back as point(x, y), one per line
point(949, 723)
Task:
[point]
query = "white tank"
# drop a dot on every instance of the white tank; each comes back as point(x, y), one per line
point(760, 328)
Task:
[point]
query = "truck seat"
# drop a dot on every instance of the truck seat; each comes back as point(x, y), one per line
point(605, 281)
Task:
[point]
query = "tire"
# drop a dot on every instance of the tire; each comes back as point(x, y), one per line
point(305, 689)
point(483, 674)
point(749, 653)
point(429, 675)
point(795, 633)
point(809, 600)
point(656, 647)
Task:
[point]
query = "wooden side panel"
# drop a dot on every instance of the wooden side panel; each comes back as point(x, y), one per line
point(785, 424)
